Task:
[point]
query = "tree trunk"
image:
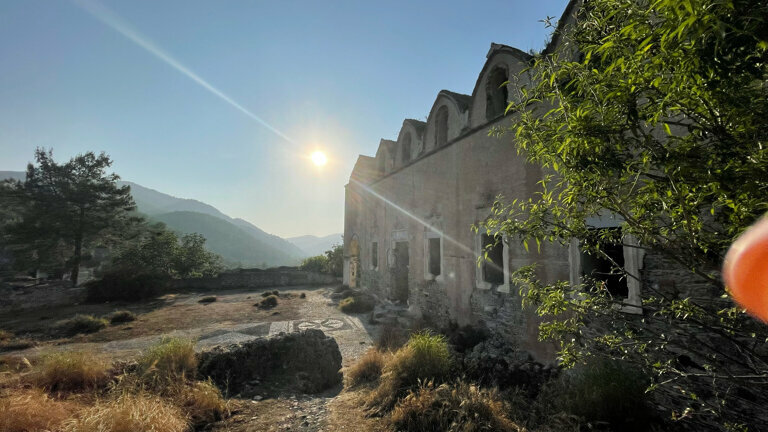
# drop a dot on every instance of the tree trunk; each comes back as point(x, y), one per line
point(76, 259)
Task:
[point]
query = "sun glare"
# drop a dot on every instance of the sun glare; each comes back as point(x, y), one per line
point(319, 159)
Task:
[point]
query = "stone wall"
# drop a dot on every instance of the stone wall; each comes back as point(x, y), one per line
point(257, 278)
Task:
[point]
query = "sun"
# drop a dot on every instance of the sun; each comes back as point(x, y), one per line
point(319, 158)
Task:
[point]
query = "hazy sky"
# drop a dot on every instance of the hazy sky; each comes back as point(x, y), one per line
point(329, 75)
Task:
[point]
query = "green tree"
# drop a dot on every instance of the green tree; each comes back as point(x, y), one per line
point(335, 260)
point(61, 209)
point(317, 264)
point(656, 113)
point(161, 252)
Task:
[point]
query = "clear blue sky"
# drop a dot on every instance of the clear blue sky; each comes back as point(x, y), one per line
point(333, 75)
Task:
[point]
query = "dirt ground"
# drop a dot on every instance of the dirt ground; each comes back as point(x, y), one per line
point(226, 320)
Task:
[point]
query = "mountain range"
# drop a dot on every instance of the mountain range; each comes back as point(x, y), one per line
point(239, 242)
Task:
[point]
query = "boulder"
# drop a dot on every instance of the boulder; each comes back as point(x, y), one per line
point(306, 361)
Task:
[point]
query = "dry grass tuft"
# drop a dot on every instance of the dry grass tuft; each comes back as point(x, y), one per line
point(27, 410)
point(203, 402)
point(129, 413)
point(172, 360)
point(207, 299)
point(356, 304)
point(82, 324)
point(424, 357)
point(71, 371)
point(121, 316)
point(367, 369)
point(457, 407)
point(5, 335)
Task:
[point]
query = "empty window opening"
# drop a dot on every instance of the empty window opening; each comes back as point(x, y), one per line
point(434, 256)
point(496, 93)
point(406, 148)
point(606, 270)
point(375, 255)
point(441, 127)
point(493, 267)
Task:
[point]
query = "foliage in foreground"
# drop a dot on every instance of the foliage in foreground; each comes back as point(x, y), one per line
point(654, 114)
point(425, 357)
point(456, 407)
point(367, 369)
point(129, 413)
point(71, 371)
point(169, 361)
point(121, 316)
point(27, 410)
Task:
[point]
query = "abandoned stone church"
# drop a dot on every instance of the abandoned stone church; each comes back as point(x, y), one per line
point(410, 208)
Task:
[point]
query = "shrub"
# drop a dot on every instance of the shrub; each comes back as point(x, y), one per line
point(424, 357)
point(207, 299)
point(452, 408)
point(601, 390)
point(27, 410)
point(82, 324)
point(122, 316)
point(71, 371)
point(358, 303)
point(203, 402)
point(5, 335)
point(126, 285)
point(367, 369)
point(171, 360)
point(129, 413)
point(268, 302)
point(303, 295)
point(317, 264)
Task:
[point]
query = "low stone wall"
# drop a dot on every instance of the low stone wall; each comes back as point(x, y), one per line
point(256, 278)
point(30, 296)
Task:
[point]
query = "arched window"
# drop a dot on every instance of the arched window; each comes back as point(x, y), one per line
point(496, 93)
point(441, 127)
point(406, 148)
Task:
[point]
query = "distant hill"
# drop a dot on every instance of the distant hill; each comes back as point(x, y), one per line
point(313, 245)
point(238, 241)
point(236, 246)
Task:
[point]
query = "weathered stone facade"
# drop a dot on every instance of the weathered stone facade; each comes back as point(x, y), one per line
point(409, 212)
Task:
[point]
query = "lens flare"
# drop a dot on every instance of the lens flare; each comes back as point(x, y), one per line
point(319, 158)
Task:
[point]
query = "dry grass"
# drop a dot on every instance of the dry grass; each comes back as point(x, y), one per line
point(424, 357)
point(203, 402)
point(367, 369)
point(207, 299)
point(457, 407)
point(71, 371)
point(172, 360)
point(121, 316)
point(129, 413)
point(82, 324)
point(5, 335)
point(27, 410)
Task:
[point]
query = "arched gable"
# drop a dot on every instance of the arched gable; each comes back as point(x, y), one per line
point(410, 141)
point(386, 156)
point(490, 96)
point(448, 118)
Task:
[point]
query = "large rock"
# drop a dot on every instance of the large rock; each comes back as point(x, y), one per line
point(308, 361)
